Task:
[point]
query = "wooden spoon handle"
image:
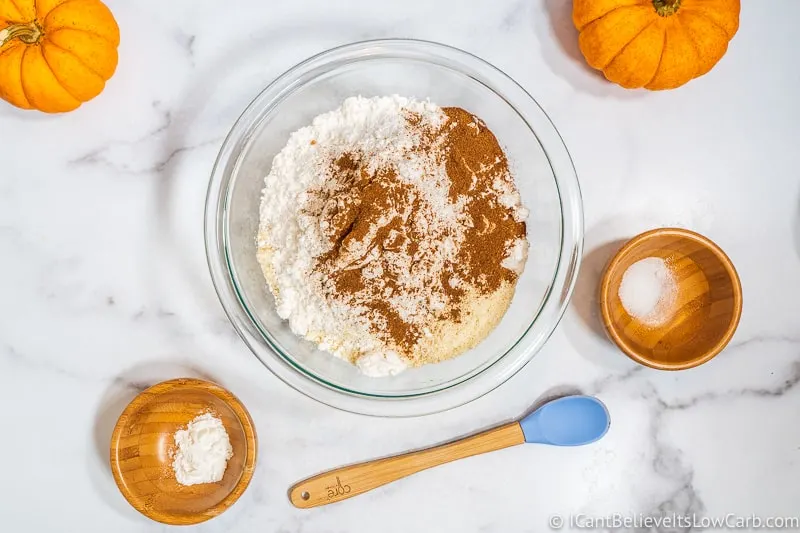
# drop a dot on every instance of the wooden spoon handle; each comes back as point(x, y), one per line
point(349, 481)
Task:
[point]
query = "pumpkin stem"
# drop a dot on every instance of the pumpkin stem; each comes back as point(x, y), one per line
point(27, 33)
point(666, 8)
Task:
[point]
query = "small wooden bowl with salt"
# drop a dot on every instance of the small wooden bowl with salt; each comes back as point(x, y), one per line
point(144, 447)
point(670, 299)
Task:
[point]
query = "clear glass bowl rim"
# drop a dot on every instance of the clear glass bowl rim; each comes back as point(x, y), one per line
point(560, 290)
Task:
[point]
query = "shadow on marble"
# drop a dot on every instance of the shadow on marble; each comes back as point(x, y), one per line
point(603, 240)
point(122, 390)
point(585, 299)
point(796, 229)
point(553, 393)
point(559, 44)
point(584, 311)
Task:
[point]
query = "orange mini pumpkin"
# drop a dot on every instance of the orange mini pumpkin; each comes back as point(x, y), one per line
point(55, 54)
point(655, 44)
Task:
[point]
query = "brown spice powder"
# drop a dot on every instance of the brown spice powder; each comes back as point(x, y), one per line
point(384, 245)
point(474, 159)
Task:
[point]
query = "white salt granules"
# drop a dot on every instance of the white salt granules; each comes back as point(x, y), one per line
point(648, 291)
point(203, 450)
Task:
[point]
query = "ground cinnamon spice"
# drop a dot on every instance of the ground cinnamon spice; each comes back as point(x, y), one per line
point(473, 160)
point(396, 255)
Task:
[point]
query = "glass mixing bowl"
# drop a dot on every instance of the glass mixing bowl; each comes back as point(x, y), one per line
point(449, 77)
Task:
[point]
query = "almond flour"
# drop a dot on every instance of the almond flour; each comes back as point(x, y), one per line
point(392, 233)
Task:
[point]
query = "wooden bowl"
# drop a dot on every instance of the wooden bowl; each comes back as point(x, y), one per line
point(142, 444)
point(706, 310)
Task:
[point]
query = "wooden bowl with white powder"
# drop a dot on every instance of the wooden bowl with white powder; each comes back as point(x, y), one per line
point(183, 451)
point(671, 299)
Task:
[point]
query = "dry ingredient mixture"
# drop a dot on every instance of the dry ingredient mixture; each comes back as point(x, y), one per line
point(648, 291)
point(392, 233)
point(202, 451)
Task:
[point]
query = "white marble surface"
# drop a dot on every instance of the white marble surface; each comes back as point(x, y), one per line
point(105, 287)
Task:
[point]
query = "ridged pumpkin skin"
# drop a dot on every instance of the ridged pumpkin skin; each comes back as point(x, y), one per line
point(55, 54)
point(655, 44)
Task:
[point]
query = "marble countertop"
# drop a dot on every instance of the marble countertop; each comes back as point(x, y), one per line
point(106, 288)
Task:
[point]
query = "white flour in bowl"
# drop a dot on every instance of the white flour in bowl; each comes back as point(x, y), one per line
point(392, 233)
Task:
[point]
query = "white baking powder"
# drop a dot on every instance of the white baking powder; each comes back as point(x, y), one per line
point(203, 450)
point(648, 291)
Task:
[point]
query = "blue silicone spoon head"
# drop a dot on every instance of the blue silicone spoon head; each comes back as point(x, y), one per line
point(567, 421)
